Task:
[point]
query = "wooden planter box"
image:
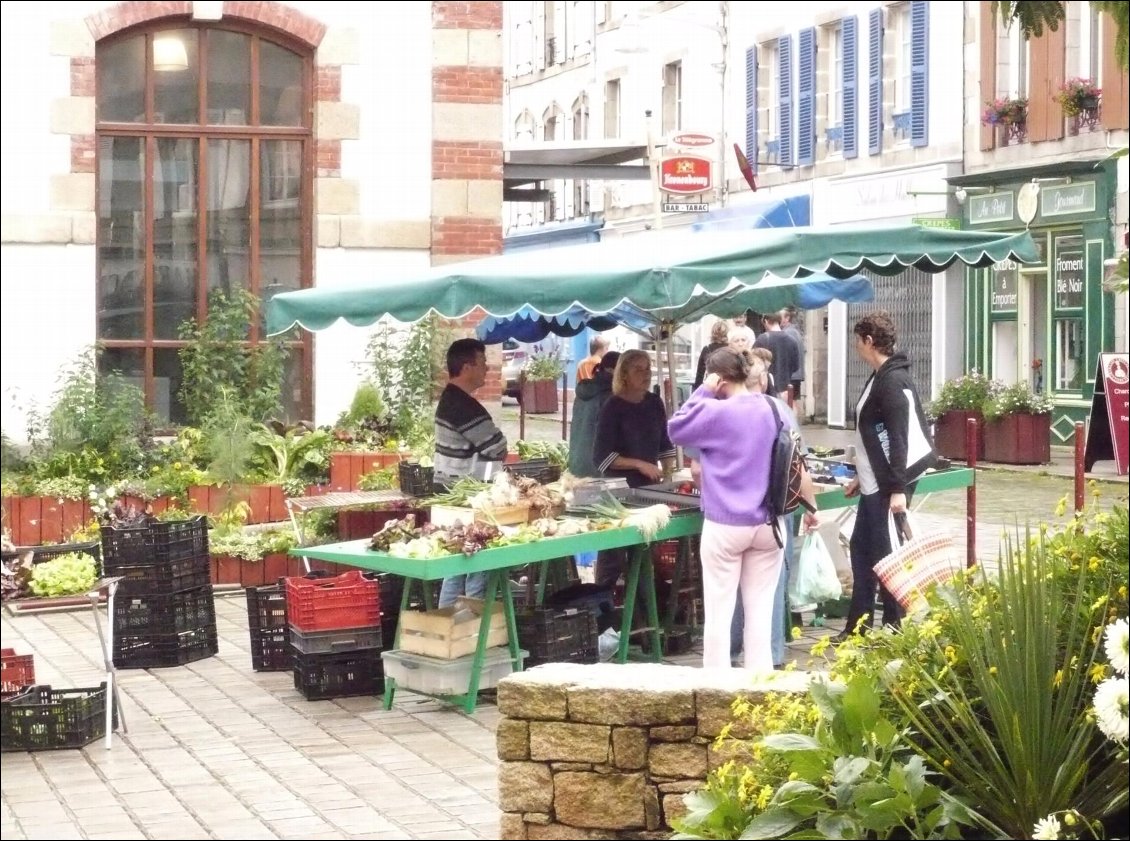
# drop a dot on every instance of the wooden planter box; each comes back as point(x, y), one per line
point(268, 503)
point(35, 520)
point(228, 570)
point(347, 468)
point(949, 435)
point(539, 397)
point(1019, 439)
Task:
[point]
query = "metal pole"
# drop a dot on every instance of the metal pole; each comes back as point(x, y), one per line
point(653, 165)
point(565, 406)
point(1080, 480)
point(971, 494)
point(521, 406)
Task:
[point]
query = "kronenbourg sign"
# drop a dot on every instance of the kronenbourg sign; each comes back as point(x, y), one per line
point(686, 175)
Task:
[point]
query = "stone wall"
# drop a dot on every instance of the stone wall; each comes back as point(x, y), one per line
point(607, 750)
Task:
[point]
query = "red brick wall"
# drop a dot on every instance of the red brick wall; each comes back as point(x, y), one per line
point(274, 15)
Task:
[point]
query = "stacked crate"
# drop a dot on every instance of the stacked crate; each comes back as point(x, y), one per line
point(271, 650)
point(335, 629)
point(558, 635)
point(164, 613)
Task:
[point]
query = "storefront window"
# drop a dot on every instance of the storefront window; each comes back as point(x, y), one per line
point(1069, 354)
point(1068, 299)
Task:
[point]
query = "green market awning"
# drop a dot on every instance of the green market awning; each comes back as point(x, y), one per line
point(673, 276)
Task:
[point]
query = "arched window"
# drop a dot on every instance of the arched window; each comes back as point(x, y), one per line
point(204, 183)
point(581, 118)
point(524, 127)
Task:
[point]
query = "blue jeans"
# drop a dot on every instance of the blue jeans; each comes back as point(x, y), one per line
point(780, 614)
point(473, 584)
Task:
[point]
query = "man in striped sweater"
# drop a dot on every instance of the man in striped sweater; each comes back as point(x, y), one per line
point(468, 442)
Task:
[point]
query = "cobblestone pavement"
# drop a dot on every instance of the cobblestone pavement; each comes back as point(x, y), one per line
point(216, 750)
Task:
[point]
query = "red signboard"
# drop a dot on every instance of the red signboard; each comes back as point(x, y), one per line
point(1108, 433)
point(690, 138)
point(686, 175)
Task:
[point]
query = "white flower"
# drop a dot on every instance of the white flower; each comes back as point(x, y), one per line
point(1118, 645)
point(1047, 828)
point(1112, 705)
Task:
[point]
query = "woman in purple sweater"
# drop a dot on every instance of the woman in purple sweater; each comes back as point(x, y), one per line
point(733, 428)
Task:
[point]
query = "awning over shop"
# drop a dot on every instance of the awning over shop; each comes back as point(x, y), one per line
point(661, 271)
point(765, 212)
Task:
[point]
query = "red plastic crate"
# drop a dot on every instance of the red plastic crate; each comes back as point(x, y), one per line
point(17, 671)
point(326, 604)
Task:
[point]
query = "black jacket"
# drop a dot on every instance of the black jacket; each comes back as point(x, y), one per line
point(588, 398)
point(893, 427)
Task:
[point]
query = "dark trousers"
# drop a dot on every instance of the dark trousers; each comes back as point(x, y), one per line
point(870, 543)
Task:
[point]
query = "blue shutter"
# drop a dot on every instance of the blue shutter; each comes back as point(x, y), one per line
point(750, 107)
point(850, 28)
point(875, 81)
point(919, 73)
point(785, 98)
point(806, 98)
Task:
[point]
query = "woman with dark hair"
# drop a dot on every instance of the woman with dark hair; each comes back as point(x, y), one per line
point(894, 449)
point(733, 428)
point(719, 337)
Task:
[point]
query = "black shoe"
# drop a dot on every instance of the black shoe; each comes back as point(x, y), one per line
point(840, 638)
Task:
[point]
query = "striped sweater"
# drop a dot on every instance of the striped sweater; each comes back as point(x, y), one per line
point(468, 442)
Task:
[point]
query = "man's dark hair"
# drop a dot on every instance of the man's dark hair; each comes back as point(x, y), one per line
point(463, 352)
point(879, 325)
point(609, 360)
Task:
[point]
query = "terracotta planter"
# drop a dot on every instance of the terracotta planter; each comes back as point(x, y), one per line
point(347, 468)
point(268, 503)
point(539, 397)
point(949, 435)
point(229, 570)
point(1019, 439)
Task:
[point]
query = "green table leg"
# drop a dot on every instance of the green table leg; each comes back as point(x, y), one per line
point(641, 561)
point(495, 580)
point(543, 575)
point(511, 623)
point(390, 691)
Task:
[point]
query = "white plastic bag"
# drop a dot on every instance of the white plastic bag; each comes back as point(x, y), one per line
point(816, 579)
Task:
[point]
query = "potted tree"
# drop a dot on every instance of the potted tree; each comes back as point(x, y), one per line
point(539, 385)
point(959, 400)
point(1018, 426)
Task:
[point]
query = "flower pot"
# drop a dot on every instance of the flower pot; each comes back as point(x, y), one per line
point(1019, 439)
point(539, 397)
point(949, 435)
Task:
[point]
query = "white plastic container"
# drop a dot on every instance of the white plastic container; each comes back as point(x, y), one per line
point(433, 676)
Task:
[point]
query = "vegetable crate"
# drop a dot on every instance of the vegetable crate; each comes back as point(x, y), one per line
point(450, 632)
point(271, 650)
point(155, 630)
point(321, 676)
point(392, 592)
point(164, 578)
point(17, 671)
point(558, 635)
point(42, 718)
point(155, 543)
point(348, 601)
point(42, 554)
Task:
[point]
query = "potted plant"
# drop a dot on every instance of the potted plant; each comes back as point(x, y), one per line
point(539, 386)
point(1018, 426)
point(1010, 116)
point(959, 400)
point(1078, 95)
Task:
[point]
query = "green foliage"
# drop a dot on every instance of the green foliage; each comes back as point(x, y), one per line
point(65, 575)
point(544, 367)
point(366, 405)
point(379, 479)
point(227, 443)
point(1032, 17)
point(557, 452)
point(295, 456)
point(250, 545)
point(406, 371)
point(967, 393)
point(218, 356)
point(12, 457)
point(97, 429)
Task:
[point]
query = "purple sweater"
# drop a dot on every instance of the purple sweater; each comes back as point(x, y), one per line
point(735, 437)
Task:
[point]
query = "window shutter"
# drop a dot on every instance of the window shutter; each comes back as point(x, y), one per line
point(850, 28)
point(919, 73)
point(539, 36)
point(806, 98)
point(875, 82)
point(988, 41)
point(750, 107)
point(1115, 81)
point(785, 98)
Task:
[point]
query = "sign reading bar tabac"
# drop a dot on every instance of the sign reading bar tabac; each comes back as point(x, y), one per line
point(1108, 433)
point(686, 175)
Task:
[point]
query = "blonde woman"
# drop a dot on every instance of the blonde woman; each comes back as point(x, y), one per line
point(719, 336)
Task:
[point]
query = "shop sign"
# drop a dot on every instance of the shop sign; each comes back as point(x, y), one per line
point(949, 222)
point(686, 175)
point(1108, 432)
point(691, 138)
point(1068, 199)
point(1069, 273)
point(1004, 286)
point(991, 207)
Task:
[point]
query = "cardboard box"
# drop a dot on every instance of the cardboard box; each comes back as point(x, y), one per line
point(435, 633)
point(449, 515)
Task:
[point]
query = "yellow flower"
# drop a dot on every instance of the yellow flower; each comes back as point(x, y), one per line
point(1057, 681)
point(1098, 672)
point(946, 763)
point(764, 796)
point(992, 670)
point(176, 465)
point(793, 775)
point(820, 646)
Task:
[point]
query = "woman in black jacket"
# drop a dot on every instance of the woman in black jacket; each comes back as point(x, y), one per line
point(894, 449)
point(719, 335)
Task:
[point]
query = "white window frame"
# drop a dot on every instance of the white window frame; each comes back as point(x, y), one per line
point(672, 96)
point(769, 69)
point(1090, 48)
point(1017, 64)
point(900, 19)
point(612, 111)
point(835, 101)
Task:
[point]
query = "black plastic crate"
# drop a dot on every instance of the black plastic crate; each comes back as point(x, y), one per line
point(558, 636)
point(266, 607)
point(42, 718)
point(149, 651)
point(271, 650)
point(164, 577)
point(161, 615)
point(321, 676)
point(535, 468)
point(416, 479)
point(336, 641)
point(41, 554)
point(154, 543)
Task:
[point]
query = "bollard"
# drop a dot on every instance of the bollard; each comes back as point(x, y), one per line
point(1080, 483)
point(971, 493)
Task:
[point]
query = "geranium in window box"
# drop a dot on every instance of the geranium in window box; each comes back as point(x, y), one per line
point(1006, 111)
point(1078, 95)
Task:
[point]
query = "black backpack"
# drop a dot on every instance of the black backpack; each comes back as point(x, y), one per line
point(786, 473)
